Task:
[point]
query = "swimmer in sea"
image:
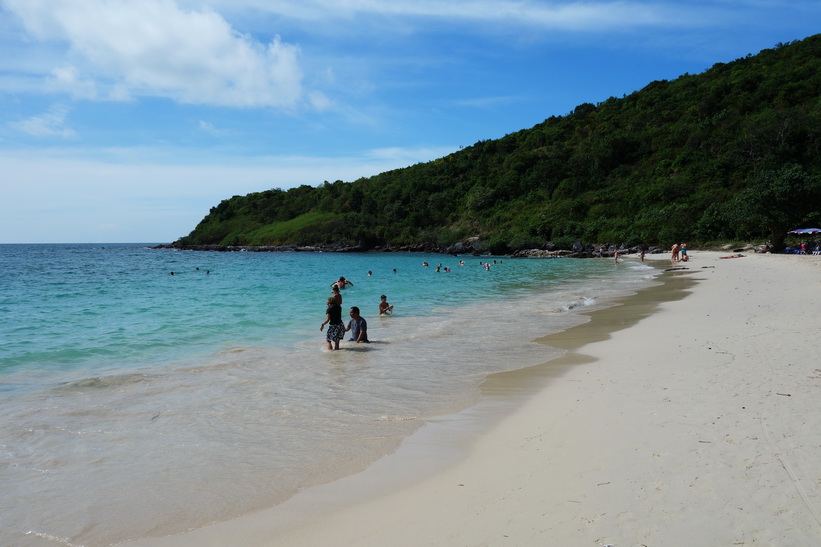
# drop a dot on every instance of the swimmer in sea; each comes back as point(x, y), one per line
point(341, 283)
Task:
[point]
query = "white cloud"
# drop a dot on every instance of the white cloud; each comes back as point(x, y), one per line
point(154, 48)
point(402, 157)
point(320, 101)
point(209, 128)
point(67, 78)
point(51, 123)
point(144, 195)
point(555, 15)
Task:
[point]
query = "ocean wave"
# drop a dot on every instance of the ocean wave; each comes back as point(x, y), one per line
point(104, 382)
point(386, 418)
point(582, 302)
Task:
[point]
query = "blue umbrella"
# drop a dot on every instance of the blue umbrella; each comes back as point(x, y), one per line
point(803, 231)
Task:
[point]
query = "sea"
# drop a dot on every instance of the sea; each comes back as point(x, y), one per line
point(145, 392)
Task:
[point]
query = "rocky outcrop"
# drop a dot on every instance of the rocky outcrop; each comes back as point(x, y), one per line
point(471, 246)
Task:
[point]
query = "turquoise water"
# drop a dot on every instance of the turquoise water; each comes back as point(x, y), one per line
point(135, 403)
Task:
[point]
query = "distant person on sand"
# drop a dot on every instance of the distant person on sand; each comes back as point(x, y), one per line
point(341, 283)
point(641, 255)
point(336, 328)
point(683, 253)
point(674, 253)
point(384, 307)
point(358, 327)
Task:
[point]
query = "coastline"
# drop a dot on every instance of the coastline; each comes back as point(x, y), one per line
point(663, 415)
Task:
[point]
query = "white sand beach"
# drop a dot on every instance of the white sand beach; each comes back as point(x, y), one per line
point(698, 424)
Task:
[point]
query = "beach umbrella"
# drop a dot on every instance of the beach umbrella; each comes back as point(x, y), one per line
point(804, 231)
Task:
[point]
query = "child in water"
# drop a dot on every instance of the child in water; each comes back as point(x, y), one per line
point(384, 307)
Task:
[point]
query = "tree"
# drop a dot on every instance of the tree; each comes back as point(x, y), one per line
point(780, 201)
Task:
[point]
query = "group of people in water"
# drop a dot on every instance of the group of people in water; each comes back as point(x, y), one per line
point(357, 326)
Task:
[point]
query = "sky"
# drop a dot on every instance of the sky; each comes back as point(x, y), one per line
point(127, 120)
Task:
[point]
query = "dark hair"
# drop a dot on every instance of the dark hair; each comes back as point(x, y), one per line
point(335, 288)
point(354, 308)
point(383, 296)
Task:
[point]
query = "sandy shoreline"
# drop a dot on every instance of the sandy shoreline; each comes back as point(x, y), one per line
point(697, 424)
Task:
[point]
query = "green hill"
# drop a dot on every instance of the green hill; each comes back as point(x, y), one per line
point(732, 153)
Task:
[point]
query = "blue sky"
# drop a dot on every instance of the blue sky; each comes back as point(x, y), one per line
point(127, 120)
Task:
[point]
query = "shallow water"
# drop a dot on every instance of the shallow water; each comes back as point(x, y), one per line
point(134, 403)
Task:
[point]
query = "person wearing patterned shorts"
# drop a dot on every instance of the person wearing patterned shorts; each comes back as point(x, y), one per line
point(336, 328)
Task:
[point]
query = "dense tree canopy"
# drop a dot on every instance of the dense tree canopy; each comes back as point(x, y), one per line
point(733, 153)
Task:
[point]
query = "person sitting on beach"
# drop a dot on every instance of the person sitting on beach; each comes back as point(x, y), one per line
point(341, 283)
point(384, 307)
point(336, 328)
point(358, 327)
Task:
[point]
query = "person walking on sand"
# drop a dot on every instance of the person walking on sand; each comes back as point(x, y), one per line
point(674, 253)
point(358, 327)
point(336, 328)
point(384, 307)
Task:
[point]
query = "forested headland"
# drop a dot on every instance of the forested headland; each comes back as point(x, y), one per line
point(731, 154)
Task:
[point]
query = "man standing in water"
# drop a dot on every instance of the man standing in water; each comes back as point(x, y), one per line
point(358, 327)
